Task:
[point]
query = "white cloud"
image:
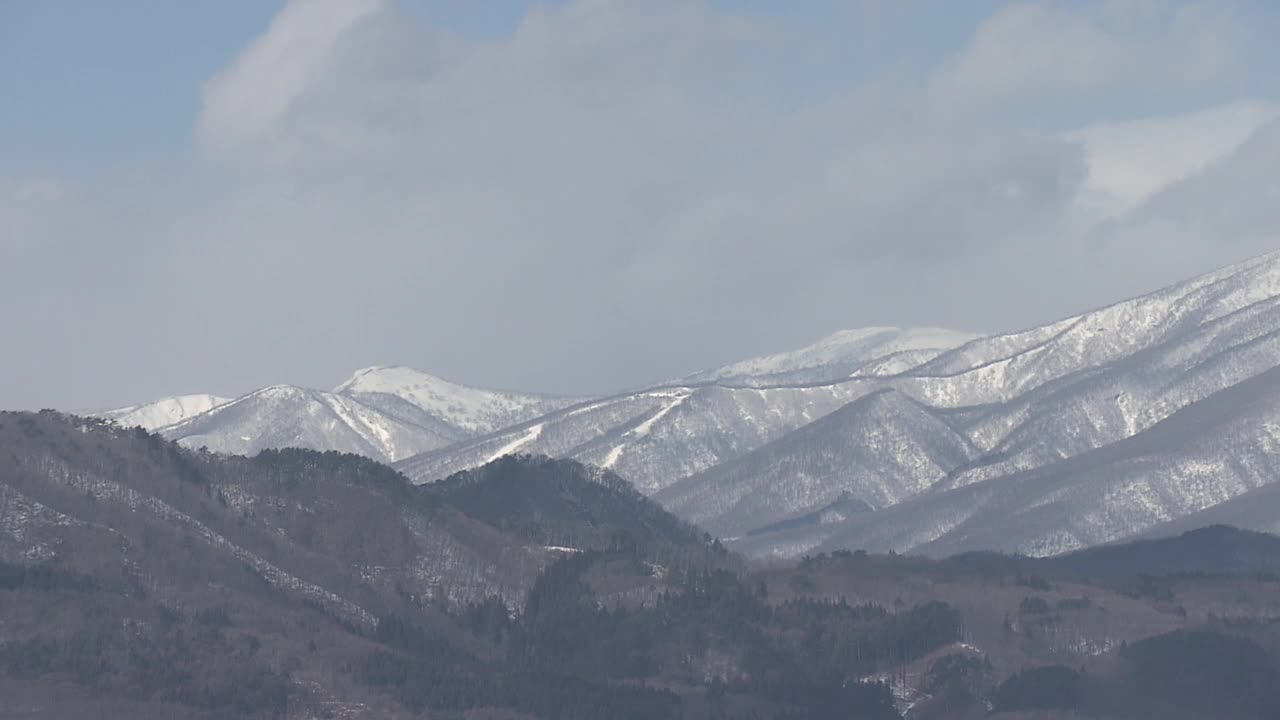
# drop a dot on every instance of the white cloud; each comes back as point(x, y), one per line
point(608, 196)
point(1129, 162)
point(1043, 49)
point(246, 104)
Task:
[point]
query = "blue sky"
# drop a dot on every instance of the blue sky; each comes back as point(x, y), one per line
point(93, 85)
point(96, 86)
point(221, 195)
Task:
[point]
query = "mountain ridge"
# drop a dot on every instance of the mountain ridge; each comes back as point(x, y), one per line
point(1004, 406)
point(383, 412)
point(835, 356)
point(163, 412)
point(1023, 400)
point(1112, 493)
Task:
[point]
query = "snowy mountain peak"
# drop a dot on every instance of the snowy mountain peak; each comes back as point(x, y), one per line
point(475, 410)
point(290, 416)
point(392, 378)
point(163, 412)
point(282, 392)
point(839, 355)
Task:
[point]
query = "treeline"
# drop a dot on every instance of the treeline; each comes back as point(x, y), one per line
point(566, 656)
point(292, 469)
point(44, 578)
point(562, 502)
point(641, 617)
point(1180, 674)
point(151, 654)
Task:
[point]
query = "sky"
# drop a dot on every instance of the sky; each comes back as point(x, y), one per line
point(585, 195)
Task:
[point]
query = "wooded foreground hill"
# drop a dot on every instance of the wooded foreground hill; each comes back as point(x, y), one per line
point(142, 579)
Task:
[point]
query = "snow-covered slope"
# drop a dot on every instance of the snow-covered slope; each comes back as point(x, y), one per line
point(878, 451)
point(894, 438)
point(166, 411)
point(1090, 409)
point(471, 410)
point(386, 413)
point(840, 355)
point(1257, 509)
point(1077, 393)
point(1000, 368)
point(1208, 453)
point(658, 435)
point(287, 416)
point(651, 437)
point(740, 454)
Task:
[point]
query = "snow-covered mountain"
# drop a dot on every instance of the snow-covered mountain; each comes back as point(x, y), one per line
point(658, 435)
point(1035, 401)
point(763, 452)
point(287, 416)
point(869, 351)
point(1098, 427)
point(880, 450)
point(651, 437)
point(163, 412)
point(1257, 509)
point(1224, 447)
point(386, 413)
point(469, 409)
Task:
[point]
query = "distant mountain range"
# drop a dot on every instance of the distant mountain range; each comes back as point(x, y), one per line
point(1116, 423)
point(875, 350)
point(656, 436)
point(386, 413)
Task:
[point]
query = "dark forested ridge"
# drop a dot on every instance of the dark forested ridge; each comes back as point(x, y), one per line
point(139, 579)
point(562, 503)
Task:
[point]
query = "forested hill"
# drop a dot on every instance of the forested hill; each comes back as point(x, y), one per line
point(141, 579)
point(1217, 550)
point(562, 503)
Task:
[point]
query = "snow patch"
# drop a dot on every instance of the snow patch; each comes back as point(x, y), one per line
point(529, 436)
point(643, 428)
point(612, 458)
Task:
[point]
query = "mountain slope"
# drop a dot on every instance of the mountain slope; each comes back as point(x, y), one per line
point(1205, 550)
point(140, 579)
point(472, 410)
point(1205, 454)
point(1107, 403)
point(1029, 401)
point(999, 368)
point(875, 350)
point(1023, 400)
point(652, 437)
point(877, 451)
point(562, 503)
point(1015, 403)
point(123, 503)
point(385, 413)
point(285, 416)
point(163, 412)
point(1257, 510)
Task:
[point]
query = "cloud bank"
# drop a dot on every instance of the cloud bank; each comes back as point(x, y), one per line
point(619, 192)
